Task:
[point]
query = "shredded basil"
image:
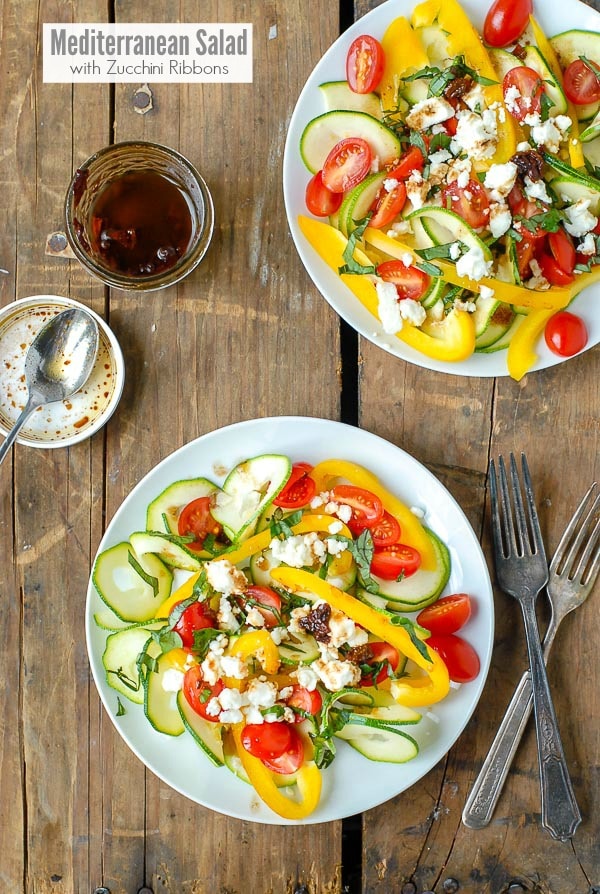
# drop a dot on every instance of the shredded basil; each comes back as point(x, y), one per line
point(546, 104)
point(147, 578)
point(120, 708)
point(351, 264)
point(438, 251)
point(362, 550)
point(412, 629)
point(428, 268)
point(281, 525)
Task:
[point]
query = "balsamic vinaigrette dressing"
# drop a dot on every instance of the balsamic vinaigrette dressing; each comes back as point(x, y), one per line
point(140, 224)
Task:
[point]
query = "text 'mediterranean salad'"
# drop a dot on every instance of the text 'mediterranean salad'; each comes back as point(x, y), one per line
point(272, 617)
point(459, 176)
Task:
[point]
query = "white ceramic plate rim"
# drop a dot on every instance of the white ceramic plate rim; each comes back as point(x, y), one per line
point(352, 784)
point(115, 347)
point(554, 18)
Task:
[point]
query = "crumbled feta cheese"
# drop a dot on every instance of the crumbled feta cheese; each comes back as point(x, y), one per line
point(230, 698)
point(320, 499)
point(476, 134)
point(538, 281)
point(406, 259)
point(172, 680)
point(299, 549)
point(536, 189)
point(428, 112)
point(416, 189)
point(306, 677)
point(500, 219)
point(466, 306)
point(336, 674)
point(485, 292)
point(439, 157)
point(579, 220)
point(388, 306)
point(523, 147)
point(232, 666)
point(588, 246)
point(475, 98)
point(399, 228)
point(225, 578)
point(412, 311)
point(500, 179)
point(375, 164)
point(473, 264)
point(335, 527)
point(296, 615)
point(261, 693)
point(390, 184)
point(254, 617)
point(225, 616)
point(213, 708)
point(455, 251)
point(513, 99)
point(344, 630)
point(335, 547)
point(550, 133)
point(231, 716)
point(344, 513)
point(278, 634)
point(253, 715)
point(211, 668)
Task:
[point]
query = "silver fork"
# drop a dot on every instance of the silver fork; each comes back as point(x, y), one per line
point(522, 571)
point(573, 573)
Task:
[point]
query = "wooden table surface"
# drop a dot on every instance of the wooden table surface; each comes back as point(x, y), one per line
point(247, 335)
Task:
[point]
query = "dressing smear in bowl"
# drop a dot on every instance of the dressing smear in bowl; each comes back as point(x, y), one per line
point(66, 422)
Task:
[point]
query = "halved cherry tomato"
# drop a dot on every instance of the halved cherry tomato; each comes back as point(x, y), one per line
point(196, 616)
point(447, 615)
point(525, 250)
point(581, 83)
point(394, 561)
point(469, 202)
point(551, 271)
point(347, 164)
point(386, 531)
point(530, 86)
point(320, 201)
point(367, 509)
point(307, 700)
point(267, 740)
point(364, 64)
point(563, 250)
point(269, 603)
point(521, 206)
point(382, 654)
point(198, 692)
point(565, 334)
point(458, 655)
point(196, 519)
point(291, 760)
point(505, 21)
point(410, 282)
point(450, 125)
point(388, 205)
point(299, 489)
point(412, 160)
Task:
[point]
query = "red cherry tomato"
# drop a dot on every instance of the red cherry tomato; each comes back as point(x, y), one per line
point(530, 86)
point(471, 202)
point(382, 654)
point(525, 249)
point(505, 22)
point(412, 160)
point(566, 334)
point(563, 250)
point(367, 509)
point(198, 692)
point(450, 125)
point(269, 603)
point(581, 83)
point(196, 616)
point(410, 282)
point(196, 519)
point(458, 655)
point(447, 615)
point(307, 700)
point(299, 489)
point(555, 275)
point(364, 64)
point(320, 201)
point(521, 206)
point(347, 164)
point(291, 760)
point(388, 205)
point(394, 561)
point(267, 740)
point(386, 531)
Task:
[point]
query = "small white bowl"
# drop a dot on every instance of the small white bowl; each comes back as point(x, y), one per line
point(66, 422)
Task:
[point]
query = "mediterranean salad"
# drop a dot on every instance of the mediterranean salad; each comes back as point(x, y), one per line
point(455, 181)
point(293, 608)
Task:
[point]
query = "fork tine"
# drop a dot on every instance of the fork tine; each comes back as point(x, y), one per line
point(534, 521)
point(593, 546)
point(573, 556)
point(524, 542)
point(495, 510)
point(507, 515)
point(560, 557)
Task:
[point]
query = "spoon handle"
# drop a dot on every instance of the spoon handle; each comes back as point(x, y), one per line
point(29, 407)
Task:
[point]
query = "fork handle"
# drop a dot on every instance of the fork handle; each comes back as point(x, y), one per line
point(481, 803)
point(560, 813)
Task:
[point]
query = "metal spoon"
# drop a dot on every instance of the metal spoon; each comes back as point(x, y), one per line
point(58, 363)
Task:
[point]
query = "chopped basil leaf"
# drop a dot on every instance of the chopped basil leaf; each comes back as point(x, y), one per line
point(546, 105)
point(431, 269)
point(549, 221)
point(177, 610)
point(412, 628)
point(274, 711)
point(362, 550)
point(352, 265)
point(147, 578)
point(416, 139)
point(134, 685)
point(166, 639)
point(439, 141)
point(202, 641)
point(438, 251)
point(591, 65)
point(281, 525)
point(120, 708)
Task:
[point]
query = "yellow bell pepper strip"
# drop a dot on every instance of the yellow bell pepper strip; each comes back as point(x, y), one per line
point(456, 340)
point(551, 299)
point(436, 684)
point(547, 51)
point(521, 354)
point(252, 643)
point(258, 542)
point(308, 781)
point(413, 532)
point(404, 53)
point(463, 40)
point(176, 658)
point(182, 592)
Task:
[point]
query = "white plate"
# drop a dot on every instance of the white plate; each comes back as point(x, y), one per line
point(352, 784)
point(554, 18)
